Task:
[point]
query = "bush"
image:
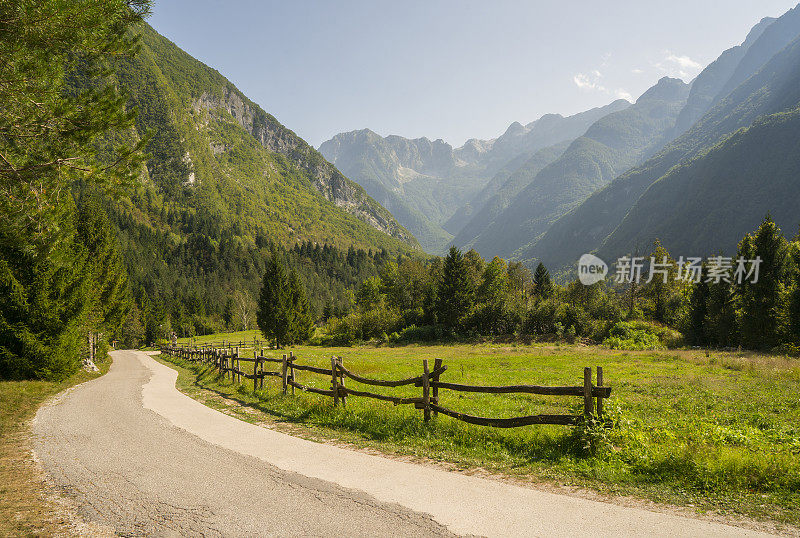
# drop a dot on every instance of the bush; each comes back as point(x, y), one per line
point(412, 333)
point(374, 323)
point(635, 336)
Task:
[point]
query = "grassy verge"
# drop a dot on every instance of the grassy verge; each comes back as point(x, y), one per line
point(718, 432)
point(24, 507)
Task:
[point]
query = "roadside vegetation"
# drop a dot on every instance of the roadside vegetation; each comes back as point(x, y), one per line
point(717, 431)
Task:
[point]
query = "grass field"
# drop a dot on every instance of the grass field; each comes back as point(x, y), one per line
point(24, 508)
point(716, 431)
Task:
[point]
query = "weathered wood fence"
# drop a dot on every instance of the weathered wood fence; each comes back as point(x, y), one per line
point(228, 362)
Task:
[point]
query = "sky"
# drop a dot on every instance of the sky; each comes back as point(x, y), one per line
point(445, 68)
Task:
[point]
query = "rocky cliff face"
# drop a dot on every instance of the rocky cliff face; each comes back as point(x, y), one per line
point(331, 183)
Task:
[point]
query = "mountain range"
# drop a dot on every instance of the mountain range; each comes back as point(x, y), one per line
point(688, 164)
point(433, 188)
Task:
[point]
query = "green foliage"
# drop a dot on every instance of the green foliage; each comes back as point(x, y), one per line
point(542, 285)
point(696, 329)
point(60, 270)
point(761, 300)
point(455, 290)
point(284, 314)
point(633, 336)
point(276, 309)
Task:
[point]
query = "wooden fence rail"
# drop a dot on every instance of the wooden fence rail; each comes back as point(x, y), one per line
point(227, 362)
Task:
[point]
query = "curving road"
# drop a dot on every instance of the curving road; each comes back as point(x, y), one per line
point(143, 459)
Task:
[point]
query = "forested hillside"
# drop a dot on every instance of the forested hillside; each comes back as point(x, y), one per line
point(609, 147)
point(769, 88)
point(222, 182)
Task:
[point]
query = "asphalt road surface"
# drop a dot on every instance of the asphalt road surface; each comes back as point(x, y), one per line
point(139, 457)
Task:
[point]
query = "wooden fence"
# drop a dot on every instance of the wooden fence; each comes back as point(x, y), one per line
point(228, 362)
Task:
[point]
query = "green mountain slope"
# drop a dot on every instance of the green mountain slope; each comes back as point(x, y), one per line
point(224, 180)
point(708, 204)
point(610, 146)
point(503, 195)
point(217, 154)
point(430, 186)
point(515, 148)
point(710, 82)
point(771, 90)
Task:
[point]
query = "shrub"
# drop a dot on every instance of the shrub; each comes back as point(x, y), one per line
point(635, 336)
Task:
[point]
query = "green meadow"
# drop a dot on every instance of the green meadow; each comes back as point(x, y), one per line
point(717, 431)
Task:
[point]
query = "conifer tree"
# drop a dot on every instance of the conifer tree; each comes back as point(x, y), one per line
point(275, 314)
point(761, 300)
point(542, 285)
point(698, 310)
point(50, 142)
point(720, 322)
point(110, 294)
point(793, 313)
point(455, 292)
point(303, 316)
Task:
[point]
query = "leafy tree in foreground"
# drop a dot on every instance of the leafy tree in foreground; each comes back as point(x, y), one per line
point(53, 137)
point(662, 283)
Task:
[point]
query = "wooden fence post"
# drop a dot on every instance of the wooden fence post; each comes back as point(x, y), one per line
point(261, 366)
point(599, 396)
point(426, 391)
point(255, 369)
point(437, 363)
point(340, 362)
point(334, 382)
point(588, 402)
point(291, 369)
point(284, 371)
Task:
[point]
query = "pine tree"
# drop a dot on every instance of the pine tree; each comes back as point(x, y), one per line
point(455, 292)
point(275, 314)
point(542, 285)
point(110, 294)
point(303, 318)
point(696, 331)
point(720, 323)
point(761, 301)
point(793, 313)
point(53, 137)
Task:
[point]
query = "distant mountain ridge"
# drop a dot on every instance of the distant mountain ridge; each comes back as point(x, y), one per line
point(425, 183)
point(767, 88)
point(610, 146)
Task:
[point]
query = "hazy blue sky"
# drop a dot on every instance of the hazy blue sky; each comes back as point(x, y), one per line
point(449, 69)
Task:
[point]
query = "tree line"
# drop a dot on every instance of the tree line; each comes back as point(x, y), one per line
point(461, 295)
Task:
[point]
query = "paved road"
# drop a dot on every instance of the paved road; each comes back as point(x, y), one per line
point(144, 459)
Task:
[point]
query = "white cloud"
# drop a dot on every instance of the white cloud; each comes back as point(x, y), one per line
point(590, 81)
point(680, 66)
point(637, 71)
point(622, 94)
